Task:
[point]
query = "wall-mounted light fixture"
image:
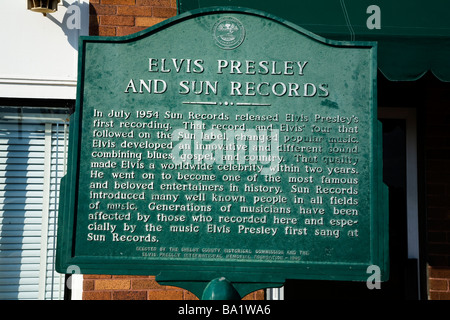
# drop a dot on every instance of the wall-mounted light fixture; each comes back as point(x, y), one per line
point(43, 6)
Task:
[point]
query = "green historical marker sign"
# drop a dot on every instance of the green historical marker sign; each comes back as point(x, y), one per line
point(225, 143)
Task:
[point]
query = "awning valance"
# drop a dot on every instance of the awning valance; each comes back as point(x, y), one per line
point(413, 36)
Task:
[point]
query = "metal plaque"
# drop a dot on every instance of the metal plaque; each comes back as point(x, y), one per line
point(225, 143)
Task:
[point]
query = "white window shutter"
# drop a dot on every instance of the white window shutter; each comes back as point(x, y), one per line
point(32, 162)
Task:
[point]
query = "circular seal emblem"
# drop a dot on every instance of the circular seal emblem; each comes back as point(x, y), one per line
point(228, 33)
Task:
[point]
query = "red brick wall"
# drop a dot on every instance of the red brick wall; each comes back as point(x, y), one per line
point(107, 287)
point(123, 17)
point(439, 283)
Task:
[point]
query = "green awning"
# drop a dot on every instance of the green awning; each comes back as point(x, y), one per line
point(413, 36)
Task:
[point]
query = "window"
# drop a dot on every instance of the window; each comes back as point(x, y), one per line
point(33, 148)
